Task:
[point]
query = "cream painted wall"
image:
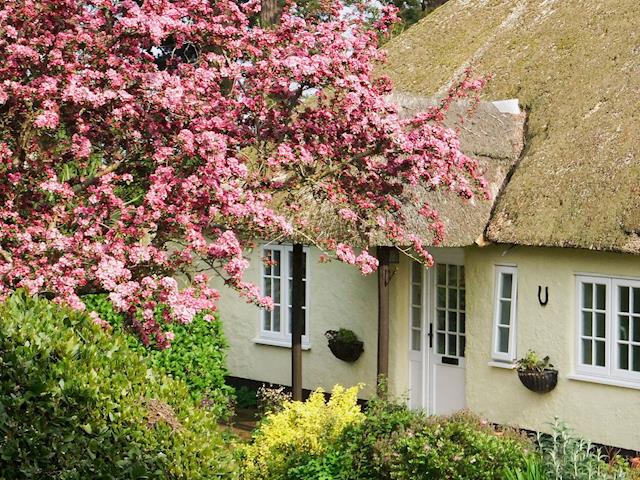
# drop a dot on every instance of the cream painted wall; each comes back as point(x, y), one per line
point(602, 413)
point(339, 296)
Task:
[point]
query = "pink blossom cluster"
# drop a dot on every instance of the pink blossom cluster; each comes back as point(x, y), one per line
point(141, 140)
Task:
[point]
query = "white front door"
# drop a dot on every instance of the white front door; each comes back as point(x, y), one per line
point(437, 321)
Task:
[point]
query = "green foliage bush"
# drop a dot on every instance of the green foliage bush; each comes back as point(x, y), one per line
point(566, 456)
point(77, 403)
point(197, 354)
point(396, 443)
point(296, 441)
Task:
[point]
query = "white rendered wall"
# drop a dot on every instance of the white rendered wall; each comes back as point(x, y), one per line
point(601, 413)
point(339, 296)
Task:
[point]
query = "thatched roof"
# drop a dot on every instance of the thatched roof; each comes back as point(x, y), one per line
point(575, 67)
point(493, 137)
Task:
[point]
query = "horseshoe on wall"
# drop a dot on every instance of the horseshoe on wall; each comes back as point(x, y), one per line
point(546, 295)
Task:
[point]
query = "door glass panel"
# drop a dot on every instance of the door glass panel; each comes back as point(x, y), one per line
point(415, 339)
point(450, 314)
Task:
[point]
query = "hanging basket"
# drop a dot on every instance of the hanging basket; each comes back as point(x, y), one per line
point(347, 351)
point(539, 382)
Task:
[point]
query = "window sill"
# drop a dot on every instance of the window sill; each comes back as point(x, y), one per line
point(505, 365)
point(614, 382)
point(279, 343)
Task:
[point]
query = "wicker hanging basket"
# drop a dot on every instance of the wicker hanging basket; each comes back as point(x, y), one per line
point(539, 382)
point(345, 351)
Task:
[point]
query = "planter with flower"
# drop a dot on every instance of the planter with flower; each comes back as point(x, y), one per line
point(537, 374)
point(345, 344)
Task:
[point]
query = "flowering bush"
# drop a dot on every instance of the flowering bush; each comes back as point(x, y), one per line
point(76, 402)
point(301, 430)
point(140, 138)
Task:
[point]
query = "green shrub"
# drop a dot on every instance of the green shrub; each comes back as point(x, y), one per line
point(289, 441)
point(76, 402)
point(197, 354)
point(396, 443)
point(569, 457)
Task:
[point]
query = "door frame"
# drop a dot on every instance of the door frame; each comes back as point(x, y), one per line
point(426, 393)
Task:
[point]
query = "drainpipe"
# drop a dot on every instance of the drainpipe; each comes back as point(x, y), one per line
point(383, 314)
point(297, 320)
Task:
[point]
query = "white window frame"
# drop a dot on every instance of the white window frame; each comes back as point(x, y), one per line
point(496, 354)
point(610, 372)
point(283, 337)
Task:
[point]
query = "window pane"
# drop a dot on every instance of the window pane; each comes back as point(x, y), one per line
point(276, 319)
point(440, 343)
point(587, 358)
point(416, 314)
point(505, 312)
point(416, 294)
point(636, 329)
point(452, 347)
point(623, 356)
point(453, 275)
point(462, 322)
point(442, 297)
point(276, 291)
point(453, 299)
point(600, 325)
point(462, 339)
point(635, 362)
point(507, 282)
point(601, 297)
point(416, 272)
point(587, 324)
point(636, 300)
point(266, 287)
point(600, 353)
point(268, 254)
point(503, 339)
point(623, 304)
point(461, 279)
point(442, 314)
point(587, 295)
point(276, 259)
point(623, 328)
point(415, 340)
point(266, 320)
point(461, 294)
point(441, 274)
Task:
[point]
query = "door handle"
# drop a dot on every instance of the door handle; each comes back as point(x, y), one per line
point(431, 335)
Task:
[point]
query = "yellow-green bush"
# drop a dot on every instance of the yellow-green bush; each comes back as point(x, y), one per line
point(300, 430)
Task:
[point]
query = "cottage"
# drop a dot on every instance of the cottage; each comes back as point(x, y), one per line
point(551, 264)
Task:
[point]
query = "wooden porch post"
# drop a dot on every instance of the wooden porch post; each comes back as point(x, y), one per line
point(383, 313)
point(297, 320)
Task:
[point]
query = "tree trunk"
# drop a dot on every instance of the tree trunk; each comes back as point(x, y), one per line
point(270, 13)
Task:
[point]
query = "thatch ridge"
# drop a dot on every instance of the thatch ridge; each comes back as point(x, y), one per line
point(575, 67)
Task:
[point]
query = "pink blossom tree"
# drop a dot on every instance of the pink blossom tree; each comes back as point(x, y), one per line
point(141, 138)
